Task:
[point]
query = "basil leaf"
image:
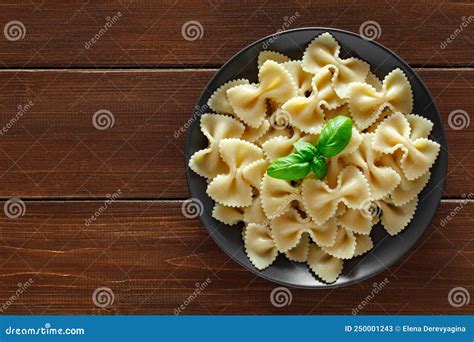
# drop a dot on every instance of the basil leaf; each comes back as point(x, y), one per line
point(335, 136)
point(305, 149)
point(319, 167)
point(291, 167)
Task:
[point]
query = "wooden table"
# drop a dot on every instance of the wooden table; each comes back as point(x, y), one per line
point(142, 70)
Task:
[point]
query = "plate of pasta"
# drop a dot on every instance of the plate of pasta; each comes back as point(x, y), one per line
point(319, 158)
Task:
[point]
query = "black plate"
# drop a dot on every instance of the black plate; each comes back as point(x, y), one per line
point(387, 250)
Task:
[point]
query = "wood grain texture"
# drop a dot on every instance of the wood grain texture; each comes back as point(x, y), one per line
point(54, 150)
point(152, 257)
point(144, 71)
point(150, 33)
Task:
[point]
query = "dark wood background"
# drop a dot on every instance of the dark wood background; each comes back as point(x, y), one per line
point(149, 77)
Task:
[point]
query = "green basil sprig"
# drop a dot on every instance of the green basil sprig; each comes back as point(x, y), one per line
point(333, 139)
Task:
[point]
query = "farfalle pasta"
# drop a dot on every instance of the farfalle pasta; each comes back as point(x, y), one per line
point(318, 218)
point(249, 101)
point(366, 103)
point(231, 188)
point(207, 163)
point(323, 52)
point(306, 113)
point(418, 155)
point(321, 201)
point(382, 180)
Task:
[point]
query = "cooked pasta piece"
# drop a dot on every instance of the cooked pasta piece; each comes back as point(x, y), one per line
point(302, 78)
point(356, 220)
point(219, 102)
point(325, 266)
point(306, 112)
point(277, 195)
point(332, 113)
point(249, 100)
point(335, 166)
point(344, 246)
point(288, 228)
point(207, 162)
point(254, 134)
point(259, 245)
point(231, 189)
point(382, 180)
point(253, 173)
point(420, 127)
point(299, 253)
point(268, 55)
point(322, 52)
point(395, 219)
point(321, 201)
point(366, 104)
point(363, 244)
point(418, 155)
point(385, 113)
point(228, 215)
point(373, 81)
point(280, 146)
point(406, 189)
point(272, 133)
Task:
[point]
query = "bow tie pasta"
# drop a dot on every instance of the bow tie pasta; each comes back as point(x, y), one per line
point(259, 245)
point(382, 180)
point(323, 52)
point(306, 112)
point(289, 228)
point(249, 100)
point(366, 103)
point(232, 189)
point(373, 182)
point(207, 163)
point(394, 134)
point(321, 201)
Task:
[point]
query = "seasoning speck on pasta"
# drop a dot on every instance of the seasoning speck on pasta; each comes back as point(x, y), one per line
point(313, 156)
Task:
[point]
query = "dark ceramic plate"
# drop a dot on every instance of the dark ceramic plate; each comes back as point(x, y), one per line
point(387, 250)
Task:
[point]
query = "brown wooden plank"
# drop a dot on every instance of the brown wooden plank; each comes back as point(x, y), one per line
point(149, 33)
point(53, 150)
point(152, 257)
